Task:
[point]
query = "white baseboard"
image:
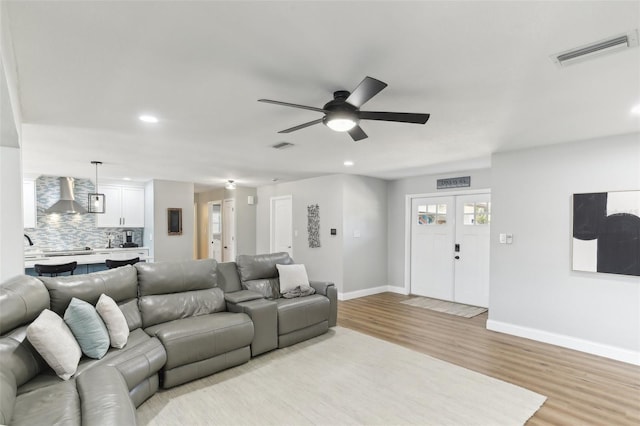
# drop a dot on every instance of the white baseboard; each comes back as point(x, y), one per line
point(607, 351)
point(370, 291)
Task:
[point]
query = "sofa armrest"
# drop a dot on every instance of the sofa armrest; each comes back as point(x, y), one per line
point(264, 314)
point(321, 286)
point(329, 290)
point(105, 398)
point(241, 296)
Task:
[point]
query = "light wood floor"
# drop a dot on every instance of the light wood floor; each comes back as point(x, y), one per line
point(581, 389)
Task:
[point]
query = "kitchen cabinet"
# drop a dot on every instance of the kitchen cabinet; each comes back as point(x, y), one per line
point(29, 203)
point(124, 207)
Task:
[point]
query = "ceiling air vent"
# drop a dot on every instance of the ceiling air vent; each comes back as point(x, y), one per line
point(282, 145)
point(599, 48)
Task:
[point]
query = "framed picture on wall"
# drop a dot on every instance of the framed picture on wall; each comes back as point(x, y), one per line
point(174, 216)
point(606, 232)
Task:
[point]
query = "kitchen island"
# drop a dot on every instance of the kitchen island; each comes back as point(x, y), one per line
point(89, 260)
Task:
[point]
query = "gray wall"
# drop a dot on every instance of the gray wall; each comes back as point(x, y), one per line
point(397, 192)
point(170, 194)
point(364, 214)
point(149, 220)
point(533, 289)
point(245, 220)
point(326, 261)
point(351, 204)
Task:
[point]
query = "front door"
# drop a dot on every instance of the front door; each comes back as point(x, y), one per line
point(432, 239)
point(450, 248)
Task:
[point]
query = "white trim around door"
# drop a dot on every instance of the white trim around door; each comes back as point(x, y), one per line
point(407, 225)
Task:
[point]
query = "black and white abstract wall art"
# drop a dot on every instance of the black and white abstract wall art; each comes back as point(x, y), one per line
point(606, 232)
point(313, 225)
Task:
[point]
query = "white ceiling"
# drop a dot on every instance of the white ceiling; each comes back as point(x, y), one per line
point(87, 69)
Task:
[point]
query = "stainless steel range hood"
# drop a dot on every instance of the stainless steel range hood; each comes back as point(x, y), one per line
point(67, 202)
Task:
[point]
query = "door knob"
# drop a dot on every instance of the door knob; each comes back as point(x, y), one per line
point(226, 247)
point(457, 257)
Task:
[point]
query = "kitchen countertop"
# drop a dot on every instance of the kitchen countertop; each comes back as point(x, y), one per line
point(83, 257)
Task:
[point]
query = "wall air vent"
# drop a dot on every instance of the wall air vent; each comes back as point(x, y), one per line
point(603, 47)
point(282, 145)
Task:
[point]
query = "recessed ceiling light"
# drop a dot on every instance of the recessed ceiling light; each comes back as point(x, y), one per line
point(275, 179)
point(636, 110)
point(148, 118)
point(348, 163)
point(126, 178)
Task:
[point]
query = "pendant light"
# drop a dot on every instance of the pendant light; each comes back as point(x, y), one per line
point(96, 201)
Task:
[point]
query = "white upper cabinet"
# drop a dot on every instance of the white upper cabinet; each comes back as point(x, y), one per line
point(124, 207)
point(29, 203)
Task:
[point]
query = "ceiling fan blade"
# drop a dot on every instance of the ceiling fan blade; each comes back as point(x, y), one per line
point(301, 126)
point(402, 117)
point(367, 89)
point(269, 101)
point(357, 133)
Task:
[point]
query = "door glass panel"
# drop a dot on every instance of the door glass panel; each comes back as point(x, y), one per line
point(477, 213)
point(432, 214)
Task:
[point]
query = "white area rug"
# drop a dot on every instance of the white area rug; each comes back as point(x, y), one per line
point(443, 306)
point(343, 377)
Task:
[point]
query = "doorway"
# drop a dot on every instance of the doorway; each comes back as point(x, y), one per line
point(229, 230)
point(215, 230)
point(281, 236)
point(449, 247)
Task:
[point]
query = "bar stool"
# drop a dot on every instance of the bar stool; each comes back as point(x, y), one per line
point(54, 270)
point(118, 263)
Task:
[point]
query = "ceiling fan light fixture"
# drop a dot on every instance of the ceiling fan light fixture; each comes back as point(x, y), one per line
point(339, 123)
point(230, 184)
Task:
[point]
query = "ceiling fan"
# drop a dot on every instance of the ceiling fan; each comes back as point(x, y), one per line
point(343, 114)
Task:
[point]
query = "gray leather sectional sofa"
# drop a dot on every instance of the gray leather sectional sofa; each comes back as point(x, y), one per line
point(186, 320)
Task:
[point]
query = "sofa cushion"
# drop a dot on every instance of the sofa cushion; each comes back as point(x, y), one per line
point(88, 328)
point(158, 309)
point(105, 398)
point(114, 320)
point(194, 339)
point(302, 312)
point(53, 340)
point(228, 279)
point(119, 284)
point(261, 266)
point(131, 312)
point(174, 277)
point(266, 287)
point(52, 405)
point(258, 273)
point(21, 300)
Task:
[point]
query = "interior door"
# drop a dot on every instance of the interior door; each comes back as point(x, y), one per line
point(282, 225)
point(432, 242)
point(473, 218)
point(215, 231)
point(228, 230)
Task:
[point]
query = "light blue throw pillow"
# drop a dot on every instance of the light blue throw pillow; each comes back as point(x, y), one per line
point(88, 328)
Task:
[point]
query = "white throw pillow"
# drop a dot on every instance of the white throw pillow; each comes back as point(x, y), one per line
point(292, 276)
point(114, 320)
point(53, 340)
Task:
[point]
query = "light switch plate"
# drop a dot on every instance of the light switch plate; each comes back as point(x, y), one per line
point(503, 238)
point(509, 238)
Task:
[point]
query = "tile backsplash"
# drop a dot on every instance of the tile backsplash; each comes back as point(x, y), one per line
point(57, 231)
